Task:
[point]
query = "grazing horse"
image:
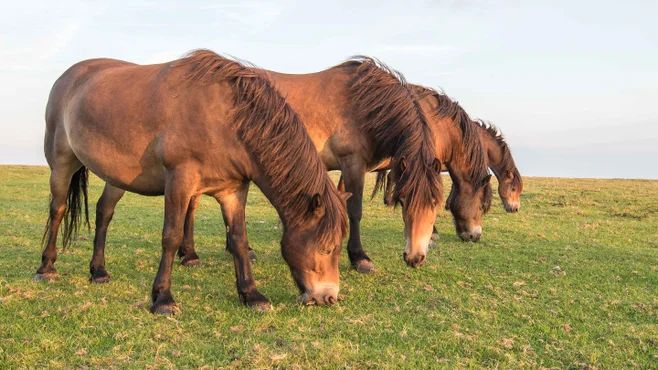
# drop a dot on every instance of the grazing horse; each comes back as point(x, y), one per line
point(499, 159)
point(460, 148)
point(203, 124)
point(357, 114)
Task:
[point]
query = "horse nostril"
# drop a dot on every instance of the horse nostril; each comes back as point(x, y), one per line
point(419, 260)
point(330, 299)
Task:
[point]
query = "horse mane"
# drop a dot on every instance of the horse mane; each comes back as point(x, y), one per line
point(507, 159)
point(474, 155)
point(387, 111)
point(267, 125)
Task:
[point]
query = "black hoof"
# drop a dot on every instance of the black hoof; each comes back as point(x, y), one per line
point(256, 301)
point(99, 275)
point(261, 306)
point(165, 309)
point(190, 261)
point(252, 255)
point(100, 279)
point(46, 276)
point(163, 303)
point(364, 266)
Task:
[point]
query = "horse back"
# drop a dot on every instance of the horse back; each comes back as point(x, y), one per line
point(129, 123)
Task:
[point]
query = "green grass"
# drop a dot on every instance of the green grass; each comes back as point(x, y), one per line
point(570, 281)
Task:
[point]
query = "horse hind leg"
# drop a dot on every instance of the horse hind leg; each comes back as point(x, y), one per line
point(186, 251)
point(60, 189)
point(104, 212)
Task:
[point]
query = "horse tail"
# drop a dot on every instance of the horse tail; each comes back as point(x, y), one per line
point(77, 194)
point(380, 183)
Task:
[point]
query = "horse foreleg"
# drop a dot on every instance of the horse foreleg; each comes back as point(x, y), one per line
point(354, 177)
point(179, 190)
point(233, 212)
point(252, 253)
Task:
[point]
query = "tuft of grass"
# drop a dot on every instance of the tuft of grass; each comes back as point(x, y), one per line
point(570, 281)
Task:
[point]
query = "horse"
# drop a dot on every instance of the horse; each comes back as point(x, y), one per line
point(203, 124)
point(501, 163)
point(356, 113)
point(459, 146)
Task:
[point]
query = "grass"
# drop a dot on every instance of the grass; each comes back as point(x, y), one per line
point(571, 281)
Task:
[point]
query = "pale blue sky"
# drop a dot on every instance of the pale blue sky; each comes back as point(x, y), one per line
point(572, 84)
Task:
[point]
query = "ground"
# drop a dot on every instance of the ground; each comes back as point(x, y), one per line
point(569, 282)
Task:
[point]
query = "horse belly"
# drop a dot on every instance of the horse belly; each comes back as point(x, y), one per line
point(117, 152)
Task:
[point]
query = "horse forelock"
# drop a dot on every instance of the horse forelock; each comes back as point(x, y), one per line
point(387, 110)
point(267, 126)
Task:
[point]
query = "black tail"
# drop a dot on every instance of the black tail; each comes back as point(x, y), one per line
point(77, 188)
point(380, 183)
point(73, 214)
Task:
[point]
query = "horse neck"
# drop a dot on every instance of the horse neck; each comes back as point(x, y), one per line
point(498, 157)
point(449, 144)
point(495, 154)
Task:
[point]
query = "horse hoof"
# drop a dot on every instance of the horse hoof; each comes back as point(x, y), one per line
point(100, 279)
point(165, 309)
point(190, 262)
point(364, 266)
point(252, 255)
point(46, 276)
point(261, 306)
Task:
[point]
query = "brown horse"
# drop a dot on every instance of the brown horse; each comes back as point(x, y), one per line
point(459, 147)
point(200, 125)
point(499, 159)
point(356, 113)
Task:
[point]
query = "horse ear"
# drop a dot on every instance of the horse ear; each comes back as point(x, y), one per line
point(345, 195)
point(436, 165)
point(316, 203)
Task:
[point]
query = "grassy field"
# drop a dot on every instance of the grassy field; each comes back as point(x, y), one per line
point(569, 282)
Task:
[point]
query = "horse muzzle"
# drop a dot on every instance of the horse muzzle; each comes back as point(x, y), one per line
point(326, 294)
point(471, 236)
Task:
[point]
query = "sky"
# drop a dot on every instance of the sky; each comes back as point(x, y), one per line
point(573, 85)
